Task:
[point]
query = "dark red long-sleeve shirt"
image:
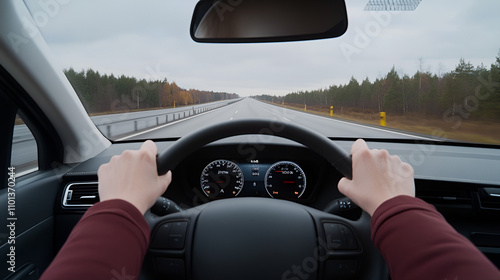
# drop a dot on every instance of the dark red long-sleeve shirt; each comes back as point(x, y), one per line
point(418, 243)
point(109, 242)
point(111, 239)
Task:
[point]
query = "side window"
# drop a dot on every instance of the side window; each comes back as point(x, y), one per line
point(24, 154)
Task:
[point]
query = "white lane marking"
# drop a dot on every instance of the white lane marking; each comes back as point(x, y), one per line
point(384, 130)
point(236, 111)
point(162, 126)
point(360, 125)
point(231, 118)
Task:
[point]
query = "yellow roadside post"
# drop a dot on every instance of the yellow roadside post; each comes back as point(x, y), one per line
point(331, 111)
point(382, 119)
point(305, 108)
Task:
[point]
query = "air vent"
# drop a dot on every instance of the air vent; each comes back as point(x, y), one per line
point(81, 194)
point(445, 197)
point(489, 198)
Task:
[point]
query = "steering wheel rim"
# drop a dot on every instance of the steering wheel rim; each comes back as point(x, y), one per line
point(194, 259)
point(338, 158)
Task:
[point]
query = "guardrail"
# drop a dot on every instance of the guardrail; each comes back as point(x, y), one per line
point(122, 124)
point(127, 125)
point(24, 154)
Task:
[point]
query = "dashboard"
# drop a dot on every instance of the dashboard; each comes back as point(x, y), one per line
point(467, 195)
point(225, 171)
point(434, 182)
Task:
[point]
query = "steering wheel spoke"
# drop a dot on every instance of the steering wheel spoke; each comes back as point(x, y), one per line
point(248, 238)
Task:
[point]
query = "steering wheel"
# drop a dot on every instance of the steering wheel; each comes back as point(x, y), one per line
point(259, 238)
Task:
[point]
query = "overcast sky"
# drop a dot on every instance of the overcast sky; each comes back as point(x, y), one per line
point(150, 39)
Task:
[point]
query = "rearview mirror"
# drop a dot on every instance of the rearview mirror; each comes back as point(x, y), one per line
point(246, 21)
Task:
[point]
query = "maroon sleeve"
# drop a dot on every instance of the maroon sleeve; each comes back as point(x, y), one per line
point(109, 242)
point(418, 243)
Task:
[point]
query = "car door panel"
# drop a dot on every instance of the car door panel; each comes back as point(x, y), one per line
point(33, 224)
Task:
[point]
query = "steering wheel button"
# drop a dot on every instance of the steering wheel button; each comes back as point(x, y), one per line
point(333, 239)
point(348, 239)
point(175, 242)
point(172, 268)
point(178, 228)
point(341, 269)
point(159, 241)
point(339, 237)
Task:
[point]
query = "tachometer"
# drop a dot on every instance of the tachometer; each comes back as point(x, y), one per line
point(221, 178)
point(285, 179)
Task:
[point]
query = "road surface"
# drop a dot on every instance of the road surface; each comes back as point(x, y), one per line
point(24, 148)
point(251, 108)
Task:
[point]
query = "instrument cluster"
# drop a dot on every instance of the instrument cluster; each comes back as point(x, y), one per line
point(277, 171)
point(223, 178)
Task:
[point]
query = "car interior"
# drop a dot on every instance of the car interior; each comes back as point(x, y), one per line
point(277, 204)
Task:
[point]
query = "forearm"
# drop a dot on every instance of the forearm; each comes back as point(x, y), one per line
point(418, 243)
point(110, 241)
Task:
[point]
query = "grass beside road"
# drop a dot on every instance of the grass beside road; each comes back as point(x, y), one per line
point(487, 132)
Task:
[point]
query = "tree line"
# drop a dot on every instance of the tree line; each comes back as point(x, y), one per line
point(466, 91)
point(102, 93)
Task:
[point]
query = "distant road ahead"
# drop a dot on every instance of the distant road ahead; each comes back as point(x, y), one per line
point(250, 108)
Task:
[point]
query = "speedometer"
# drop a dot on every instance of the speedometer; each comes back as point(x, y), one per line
point(221, 178)
point(285, 179)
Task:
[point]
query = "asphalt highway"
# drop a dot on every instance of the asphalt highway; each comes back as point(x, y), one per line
point(24, 146)
point(251, 108)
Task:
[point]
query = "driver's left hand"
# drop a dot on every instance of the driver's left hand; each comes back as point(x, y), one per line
point(132, 177)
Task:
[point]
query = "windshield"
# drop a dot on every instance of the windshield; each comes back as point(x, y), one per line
point(430, 72)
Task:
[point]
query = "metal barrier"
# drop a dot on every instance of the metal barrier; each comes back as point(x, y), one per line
point(127, 126)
